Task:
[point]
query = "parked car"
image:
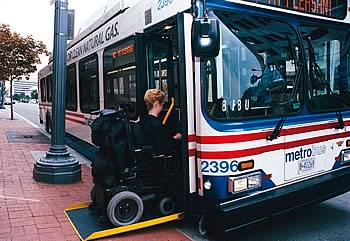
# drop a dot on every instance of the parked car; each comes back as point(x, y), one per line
point(8, 101)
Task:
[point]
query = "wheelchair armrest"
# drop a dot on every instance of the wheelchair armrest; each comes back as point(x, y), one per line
point(162, 156)
point(145, 149)
point(148, 148)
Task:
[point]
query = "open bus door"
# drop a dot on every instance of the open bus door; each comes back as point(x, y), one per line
point(170, 68)
point(162, 70)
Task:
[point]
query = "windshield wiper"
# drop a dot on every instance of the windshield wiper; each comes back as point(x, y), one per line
point(276, 132)
point(318, 72)
point(298, 67)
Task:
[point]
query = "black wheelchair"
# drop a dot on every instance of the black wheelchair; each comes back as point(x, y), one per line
point(128, 175)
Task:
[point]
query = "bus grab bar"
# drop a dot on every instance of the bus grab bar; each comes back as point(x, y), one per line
point(169, 111)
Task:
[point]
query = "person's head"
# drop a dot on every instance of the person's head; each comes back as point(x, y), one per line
point(154, 99)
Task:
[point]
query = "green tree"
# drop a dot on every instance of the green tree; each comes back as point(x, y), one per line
point(16, 97)
point(18, 56)
point(22, 96)
point(34, 95)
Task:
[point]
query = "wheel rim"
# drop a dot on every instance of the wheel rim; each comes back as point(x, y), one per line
point(168, 206)
point(126, 210)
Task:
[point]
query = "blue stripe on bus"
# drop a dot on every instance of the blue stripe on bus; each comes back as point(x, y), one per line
point(219, 185)
point(265, 123)
point(337, 164)
point(266, 183)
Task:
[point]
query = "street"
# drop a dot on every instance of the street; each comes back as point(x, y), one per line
point(28, 111)
point(328, 221)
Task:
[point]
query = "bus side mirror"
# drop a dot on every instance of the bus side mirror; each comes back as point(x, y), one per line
point(205, 37)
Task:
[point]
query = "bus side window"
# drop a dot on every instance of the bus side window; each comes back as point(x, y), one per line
point(43, 89)
point(49, 88)
point(119, 70)
point(88, 84)
point(71, 89)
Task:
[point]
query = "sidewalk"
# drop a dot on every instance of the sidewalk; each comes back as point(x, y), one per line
point(30, 210)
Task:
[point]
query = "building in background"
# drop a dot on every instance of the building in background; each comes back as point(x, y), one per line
point(24, 86)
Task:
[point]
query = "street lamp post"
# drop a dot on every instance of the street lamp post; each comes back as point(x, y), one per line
point(58, 166)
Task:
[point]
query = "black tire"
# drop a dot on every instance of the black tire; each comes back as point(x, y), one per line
point(48, 124)
point(202, 226)
point(166, 206)
point(125, 208)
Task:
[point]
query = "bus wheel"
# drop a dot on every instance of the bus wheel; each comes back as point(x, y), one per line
point(166, 206)
point(202, 226)
point(48, 124)
point(125, 208)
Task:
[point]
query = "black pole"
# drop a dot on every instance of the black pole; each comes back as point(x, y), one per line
point(58, 166)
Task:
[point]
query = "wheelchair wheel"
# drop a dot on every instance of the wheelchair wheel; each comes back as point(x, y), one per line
point(125, 208)
point(166, 206)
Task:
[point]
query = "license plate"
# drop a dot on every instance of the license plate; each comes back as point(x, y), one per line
point(306, 165)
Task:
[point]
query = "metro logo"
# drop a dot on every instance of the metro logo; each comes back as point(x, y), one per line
point(305, 153)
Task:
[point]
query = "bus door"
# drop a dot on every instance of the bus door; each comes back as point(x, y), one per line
point(162, 64)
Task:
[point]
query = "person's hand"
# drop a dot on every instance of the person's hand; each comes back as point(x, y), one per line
point(177, 136)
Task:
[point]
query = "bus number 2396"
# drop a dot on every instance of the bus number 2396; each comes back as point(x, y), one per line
point(163, 3)
point(217, 167)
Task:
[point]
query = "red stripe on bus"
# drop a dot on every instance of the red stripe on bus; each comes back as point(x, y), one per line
point(44, 104)
point(192, 138)
point(263, 149)
point(262, 135)
point(75, 114)
point(192, 152)
point(76, 121)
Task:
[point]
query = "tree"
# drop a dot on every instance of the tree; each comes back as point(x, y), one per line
point(18, 56)
point(34, 95)
point(16, 97)
point(22, 96)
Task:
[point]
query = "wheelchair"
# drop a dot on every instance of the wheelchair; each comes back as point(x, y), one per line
point(126, 174)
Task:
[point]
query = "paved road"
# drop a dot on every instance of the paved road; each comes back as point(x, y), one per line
point(29, 111)
point(328, 221)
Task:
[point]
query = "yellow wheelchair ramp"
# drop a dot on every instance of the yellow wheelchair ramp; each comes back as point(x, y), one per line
point(87, 226)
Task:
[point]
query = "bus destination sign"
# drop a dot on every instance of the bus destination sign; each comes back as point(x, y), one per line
point(328, 8)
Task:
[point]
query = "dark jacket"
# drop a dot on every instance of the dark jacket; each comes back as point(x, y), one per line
point(156, 135)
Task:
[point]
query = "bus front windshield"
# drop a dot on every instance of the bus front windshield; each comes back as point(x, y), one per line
point(328, 56)
point(257, 72)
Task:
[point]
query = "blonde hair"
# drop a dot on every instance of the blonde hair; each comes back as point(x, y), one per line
point(152, 96)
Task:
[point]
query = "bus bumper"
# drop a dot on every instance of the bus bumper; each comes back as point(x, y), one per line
point(233, 214)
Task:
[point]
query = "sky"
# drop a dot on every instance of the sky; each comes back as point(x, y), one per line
point(36, 17)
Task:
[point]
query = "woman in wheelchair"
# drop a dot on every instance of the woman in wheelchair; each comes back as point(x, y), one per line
point(152, 179)
point(152, 126)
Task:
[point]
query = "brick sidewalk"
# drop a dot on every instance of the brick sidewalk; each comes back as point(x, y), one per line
point(34, 211)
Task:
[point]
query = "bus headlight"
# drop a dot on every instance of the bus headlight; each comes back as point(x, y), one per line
point(345, 155)
point(254, 181)
point(244, 182)
point(240, 184)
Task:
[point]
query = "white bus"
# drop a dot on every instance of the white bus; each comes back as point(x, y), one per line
point(264, 120)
